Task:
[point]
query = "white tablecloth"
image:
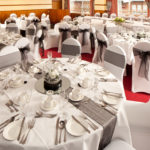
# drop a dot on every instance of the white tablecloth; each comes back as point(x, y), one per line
point(43, 134)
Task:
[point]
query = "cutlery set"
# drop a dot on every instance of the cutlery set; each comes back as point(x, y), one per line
point(5, 123)
point(22, 139)
point(11, 106)
point(60, 125)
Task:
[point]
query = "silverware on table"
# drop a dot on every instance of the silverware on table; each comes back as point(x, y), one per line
point(56, 135)
point(5, 123)
point(80, 123)
point(21, 127)
point(30, 126)
point(11, 103)
point(93, 126)
point(61, 127)
point(65, 132)
point(10, 108)
point(41, 114)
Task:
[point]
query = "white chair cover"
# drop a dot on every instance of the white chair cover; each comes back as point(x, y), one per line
point(84, 38)
point(30, 34)
point(67, 18)
point(13, 15)
point(52, 39)
point(43, 16)
point(23, 45)
point(113, 16)
point(12, 27)
point(141, 67)
point(104, 15)
point(100, 47)
point(119, 144)
point(97, 24)
point(71, 48)
point(32, 15)
point(37, 55)
point(65, 32)
point(115, 61)
point(22, 26)
point(9, 56)
point(97, 15)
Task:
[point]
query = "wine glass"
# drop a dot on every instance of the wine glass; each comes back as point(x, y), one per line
point(49, 55)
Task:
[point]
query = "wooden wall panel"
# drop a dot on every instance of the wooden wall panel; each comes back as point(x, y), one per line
point(56, 15)
point(56, 4)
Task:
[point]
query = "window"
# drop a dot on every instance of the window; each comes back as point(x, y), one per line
point(80, 6)
point(132, 7)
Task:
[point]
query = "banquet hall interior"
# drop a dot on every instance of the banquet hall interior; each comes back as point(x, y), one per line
point(74, 74)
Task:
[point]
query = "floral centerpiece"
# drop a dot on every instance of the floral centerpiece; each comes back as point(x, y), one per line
point(119, 20)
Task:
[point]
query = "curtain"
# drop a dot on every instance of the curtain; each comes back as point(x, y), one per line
point(148, 3)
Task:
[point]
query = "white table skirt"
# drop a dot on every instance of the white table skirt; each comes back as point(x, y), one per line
point(43, 134)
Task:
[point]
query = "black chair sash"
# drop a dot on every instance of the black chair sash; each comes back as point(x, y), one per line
point(10, 21)
point(105, 30)
point(83, 31)
point(40, 40)
point(2, 46)
point(64, 33)
point(144, 65)
point(101, 45)
point(24, 59)
point(92, 38)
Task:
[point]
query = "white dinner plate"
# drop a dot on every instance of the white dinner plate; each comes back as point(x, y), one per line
point(103, 73)
point(11, 131)
point(21, 100)
point(74, 128)
point(18, 82)
point(80, 97)
point(52, 109)
point(112, 100)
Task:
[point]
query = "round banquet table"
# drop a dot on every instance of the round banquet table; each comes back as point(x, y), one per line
point(42, 136)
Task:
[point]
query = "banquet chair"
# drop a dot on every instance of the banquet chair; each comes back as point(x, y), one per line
point(139, 126)
point(38, 44)
point(98, 25)
point(43, 16)
point(67, 18)
point(30, 34)
point(13, 15)
point(101, 45)
point(84, 38)
point(115, 61)
point(12, 27)
point(113, 16)
point(32, 14)
point(65, 32)
point(23, 44)
point(104, 15)
point(119, 144)
point(140, 67)
point(97, 14)
point(9, 55)
point(71, 48)
point(22, 26)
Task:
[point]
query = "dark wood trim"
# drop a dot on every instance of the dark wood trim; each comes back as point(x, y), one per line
point(100, 5)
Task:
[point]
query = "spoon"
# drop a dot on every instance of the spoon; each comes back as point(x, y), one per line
point(61, 127)
point(41, 114)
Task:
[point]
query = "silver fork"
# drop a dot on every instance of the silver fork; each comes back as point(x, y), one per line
point(30, 126)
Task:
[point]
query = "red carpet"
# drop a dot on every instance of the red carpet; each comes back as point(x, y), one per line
point(140, 97)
